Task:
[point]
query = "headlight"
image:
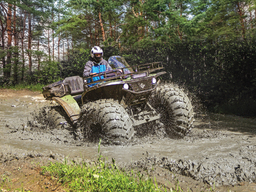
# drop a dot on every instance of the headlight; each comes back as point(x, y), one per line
point(126, 86)
point(153, 80)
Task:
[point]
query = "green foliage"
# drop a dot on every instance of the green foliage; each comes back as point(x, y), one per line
point(164, 21)
point(110, 51)
point(50, 73)
point(31, 87)
point(219, 73)
point(146, 52)
point(75, 63)
point(3, 53)
point(225, 19)
point(73, 26)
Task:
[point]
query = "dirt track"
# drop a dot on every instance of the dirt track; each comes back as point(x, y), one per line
point(220, 150)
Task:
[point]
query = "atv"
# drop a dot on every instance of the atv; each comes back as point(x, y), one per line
point(114, 107)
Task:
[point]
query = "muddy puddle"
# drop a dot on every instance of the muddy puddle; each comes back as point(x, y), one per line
point(220, 150)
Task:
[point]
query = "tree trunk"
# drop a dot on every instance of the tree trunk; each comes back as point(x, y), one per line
point(178, 28)
point(7, 70)
point(38, 56)
point(179, 33)
point(68, 48)
point(101, 26)
point(110, 27)
point(29, 44)
point(59, 38)
point(22, 48)
point(115, 30)
point(63, 49)
point(58, 48)
point(241, 14)
point(254, 15)
point(3, 43)
point(91, 37)
point(95, 36)
point(52, 38)
point(72, 45)
point(16, 52)
point(49, 48)
point(251, 19)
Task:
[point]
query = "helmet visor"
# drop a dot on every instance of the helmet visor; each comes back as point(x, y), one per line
point(97, 54)
point(97, 57)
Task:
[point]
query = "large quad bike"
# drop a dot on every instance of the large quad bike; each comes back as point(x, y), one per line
point(115, 106)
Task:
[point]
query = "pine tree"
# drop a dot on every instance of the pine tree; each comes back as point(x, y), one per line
point(224, 19)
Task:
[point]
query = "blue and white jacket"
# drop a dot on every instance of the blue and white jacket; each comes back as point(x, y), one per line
point(92, 67)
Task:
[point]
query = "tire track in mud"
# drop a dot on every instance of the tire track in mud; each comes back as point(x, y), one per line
point(230, 170)
point(221, 158)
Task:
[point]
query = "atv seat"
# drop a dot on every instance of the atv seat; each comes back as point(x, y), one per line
point(75, 83)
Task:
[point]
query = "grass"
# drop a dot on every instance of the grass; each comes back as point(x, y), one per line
point(100, 176)
point(36, 87)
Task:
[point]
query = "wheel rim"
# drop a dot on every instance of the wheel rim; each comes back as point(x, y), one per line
point(96, 132)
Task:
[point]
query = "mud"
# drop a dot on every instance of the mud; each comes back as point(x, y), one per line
point(219, 151)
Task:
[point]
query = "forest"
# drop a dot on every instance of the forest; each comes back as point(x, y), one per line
point(207, 46)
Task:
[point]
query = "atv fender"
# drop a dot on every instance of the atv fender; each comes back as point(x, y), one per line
point(70, 106)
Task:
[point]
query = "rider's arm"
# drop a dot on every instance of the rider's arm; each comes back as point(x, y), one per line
point(87, 68)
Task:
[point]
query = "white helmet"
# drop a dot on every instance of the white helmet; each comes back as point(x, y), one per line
point(96, 50)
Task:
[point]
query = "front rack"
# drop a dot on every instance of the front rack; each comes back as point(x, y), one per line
point(136, 71)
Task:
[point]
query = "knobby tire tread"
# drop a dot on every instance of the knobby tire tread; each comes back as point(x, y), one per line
point(116, 125)
point(178, 108)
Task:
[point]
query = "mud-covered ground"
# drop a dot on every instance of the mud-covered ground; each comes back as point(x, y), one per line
point(218, 154)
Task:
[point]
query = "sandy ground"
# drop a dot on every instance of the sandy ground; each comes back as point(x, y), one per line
point(218, 154)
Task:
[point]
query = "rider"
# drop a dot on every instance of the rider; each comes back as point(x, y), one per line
point(96, 64)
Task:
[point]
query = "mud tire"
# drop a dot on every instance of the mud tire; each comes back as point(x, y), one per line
point(58, 118)
point(105, 119)
point(53, 117)
point(175, 109)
